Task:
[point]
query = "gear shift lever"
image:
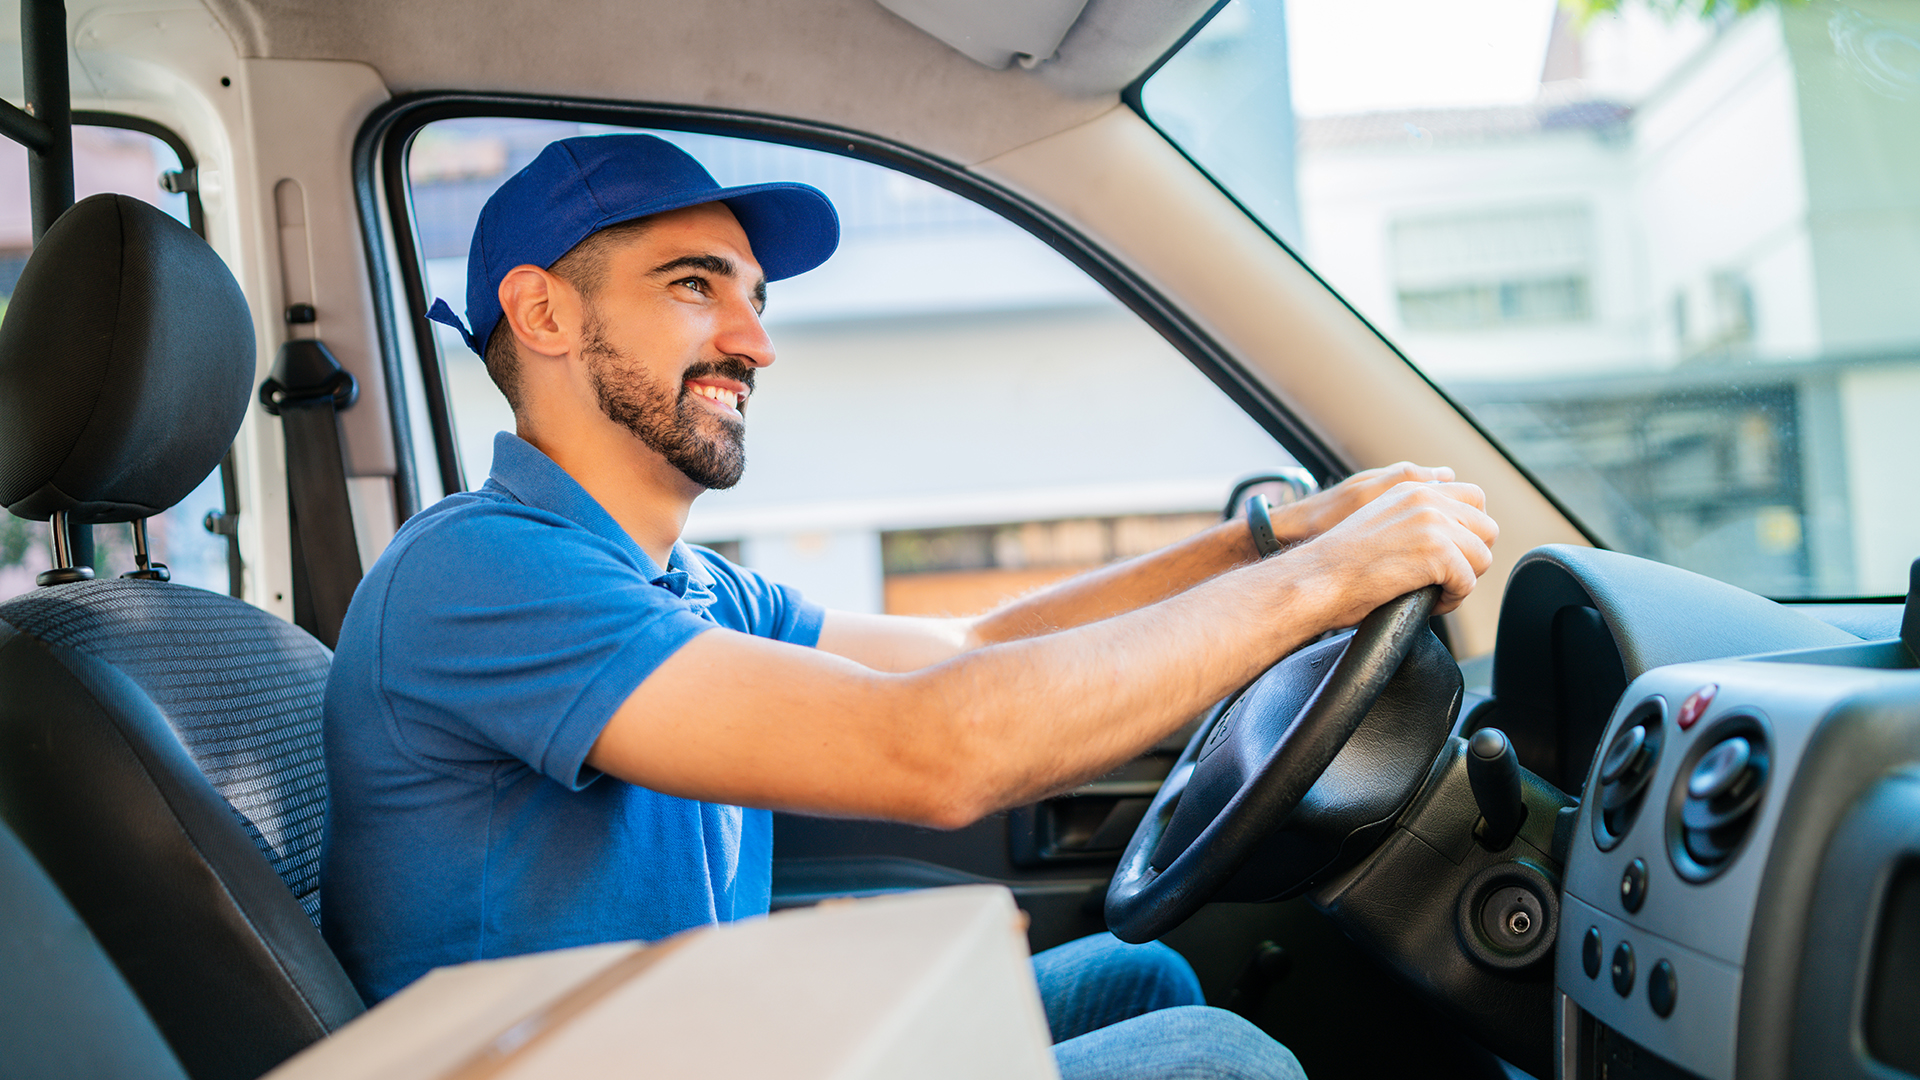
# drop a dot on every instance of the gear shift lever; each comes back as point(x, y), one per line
point(1493, 771)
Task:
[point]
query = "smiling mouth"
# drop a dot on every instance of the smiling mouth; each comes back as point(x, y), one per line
point(719, 395)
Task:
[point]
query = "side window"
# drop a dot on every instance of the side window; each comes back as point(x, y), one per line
point(133, 163)
point(957, 413)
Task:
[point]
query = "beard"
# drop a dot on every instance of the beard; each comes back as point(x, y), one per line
point(709, 450)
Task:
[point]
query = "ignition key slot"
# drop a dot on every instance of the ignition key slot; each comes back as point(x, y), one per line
point(1509, 916)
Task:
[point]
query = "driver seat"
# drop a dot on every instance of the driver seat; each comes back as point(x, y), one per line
point(160, 750)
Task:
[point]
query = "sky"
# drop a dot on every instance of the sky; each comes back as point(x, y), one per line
point(1364, 55)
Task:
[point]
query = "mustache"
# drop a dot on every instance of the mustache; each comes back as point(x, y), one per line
point(728, 367)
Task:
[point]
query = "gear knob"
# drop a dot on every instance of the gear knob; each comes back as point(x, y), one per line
point(1493, 771)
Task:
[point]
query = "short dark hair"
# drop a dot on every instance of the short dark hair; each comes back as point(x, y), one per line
point(584, 267)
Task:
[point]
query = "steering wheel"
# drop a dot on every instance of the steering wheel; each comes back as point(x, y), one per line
point(1241, 776)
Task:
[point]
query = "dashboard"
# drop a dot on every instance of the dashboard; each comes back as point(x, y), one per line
point(1741, 886)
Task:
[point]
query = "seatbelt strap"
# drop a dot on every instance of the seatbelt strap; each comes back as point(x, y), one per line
point(308, 390)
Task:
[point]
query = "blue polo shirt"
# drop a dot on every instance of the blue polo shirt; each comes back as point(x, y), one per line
point(481, 657)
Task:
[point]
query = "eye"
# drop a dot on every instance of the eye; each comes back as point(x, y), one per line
point(697, 284)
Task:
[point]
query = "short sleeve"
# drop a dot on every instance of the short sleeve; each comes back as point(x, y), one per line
point(508, 631)
point(750, 603)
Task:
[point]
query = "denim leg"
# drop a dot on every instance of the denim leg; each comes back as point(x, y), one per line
point(1190, 1042)
point(1101, 980)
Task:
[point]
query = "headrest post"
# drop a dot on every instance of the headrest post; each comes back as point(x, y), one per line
point(62, 549)
point(142, 568)
point(63, 572)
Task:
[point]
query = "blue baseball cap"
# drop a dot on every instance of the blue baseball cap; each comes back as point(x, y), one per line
point(578, 186)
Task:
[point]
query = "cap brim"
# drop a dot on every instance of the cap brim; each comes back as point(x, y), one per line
point(792, 227)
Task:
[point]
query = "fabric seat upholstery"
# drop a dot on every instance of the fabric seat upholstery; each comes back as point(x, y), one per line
point(160, 748)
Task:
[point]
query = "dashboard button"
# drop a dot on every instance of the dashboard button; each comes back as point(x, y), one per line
point(1692, 709)
point(1623, 969)
point(1590, 952)
point(1662, 988)
point(1633, 886)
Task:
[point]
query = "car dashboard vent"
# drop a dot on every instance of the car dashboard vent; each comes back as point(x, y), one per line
point(1716, 797)
point(1625, 771)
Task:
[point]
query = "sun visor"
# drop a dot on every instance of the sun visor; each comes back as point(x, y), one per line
point(994, 32)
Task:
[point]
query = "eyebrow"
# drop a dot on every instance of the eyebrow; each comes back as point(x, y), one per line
point(712, 264)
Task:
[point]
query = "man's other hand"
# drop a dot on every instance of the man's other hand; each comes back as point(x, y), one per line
point(1319, 512)
point(1413, 534)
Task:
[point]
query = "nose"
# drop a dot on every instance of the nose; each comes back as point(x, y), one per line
point(741, 334)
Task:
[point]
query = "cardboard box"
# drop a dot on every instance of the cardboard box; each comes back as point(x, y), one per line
point(934, 984)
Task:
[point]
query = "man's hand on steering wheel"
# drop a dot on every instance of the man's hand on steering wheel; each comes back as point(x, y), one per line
point(1311, 516)
point(1245, 772)
point(1411, 534)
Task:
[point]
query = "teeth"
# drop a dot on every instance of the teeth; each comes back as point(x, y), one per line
point(725, 397)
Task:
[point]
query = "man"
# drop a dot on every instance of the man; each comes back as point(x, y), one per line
point(547, 713)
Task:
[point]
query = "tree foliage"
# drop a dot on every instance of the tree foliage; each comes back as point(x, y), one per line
point(1705, 9)
point(16, 537)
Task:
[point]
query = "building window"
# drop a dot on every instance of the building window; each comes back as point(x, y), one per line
point(1490, 269)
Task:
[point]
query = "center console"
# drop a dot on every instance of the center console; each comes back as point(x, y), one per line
point(1725, 825)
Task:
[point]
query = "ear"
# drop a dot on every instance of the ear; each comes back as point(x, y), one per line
point(543, 311)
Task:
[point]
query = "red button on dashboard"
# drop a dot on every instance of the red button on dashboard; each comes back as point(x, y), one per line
point(1695, 705)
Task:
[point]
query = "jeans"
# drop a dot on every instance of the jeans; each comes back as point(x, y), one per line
point(1134, 1012)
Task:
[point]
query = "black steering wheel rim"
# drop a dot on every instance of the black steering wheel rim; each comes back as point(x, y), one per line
point(1144, 903)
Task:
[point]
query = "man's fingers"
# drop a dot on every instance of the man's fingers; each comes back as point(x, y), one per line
point(1416, 526)
point(1401, 471)
point(1459, 491)
point(1477, 546)
point(1463, 561)
point(1456, 531)
point(1484, 527)
point(1471, 512)
point(1332, 506)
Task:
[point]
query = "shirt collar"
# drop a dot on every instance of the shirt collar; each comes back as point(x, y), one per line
point(524, 474)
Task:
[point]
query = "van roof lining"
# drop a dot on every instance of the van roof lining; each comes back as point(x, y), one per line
point(845, 62)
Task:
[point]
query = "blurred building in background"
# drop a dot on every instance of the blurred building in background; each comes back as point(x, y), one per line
point(1679, 286)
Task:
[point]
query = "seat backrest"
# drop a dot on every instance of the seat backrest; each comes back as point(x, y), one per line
point(160, 749)
point(69, 1015)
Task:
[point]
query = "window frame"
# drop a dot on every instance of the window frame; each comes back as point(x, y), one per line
point(380, 155)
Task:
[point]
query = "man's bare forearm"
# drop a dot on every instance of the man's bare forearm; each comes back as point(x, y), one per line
point(894, 643)
point(1095, 694)
point(797, 729)
point(732, 718)
point(1119, 588)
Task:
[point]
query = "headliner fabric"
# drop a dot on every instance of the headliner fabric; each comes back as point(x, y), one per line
point(849, 63)
point(126, 366)
point(241, 688)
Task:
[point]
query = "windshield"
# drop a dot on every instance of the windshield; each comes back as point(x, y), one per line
point(1668, 258)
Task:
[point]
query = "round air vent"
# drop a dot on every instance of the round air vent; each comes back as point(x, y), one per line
point(1716, 796)
point(1626, 768)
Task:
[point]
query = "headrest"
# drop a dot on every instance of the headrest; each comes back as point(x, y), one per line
point(126, 366)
